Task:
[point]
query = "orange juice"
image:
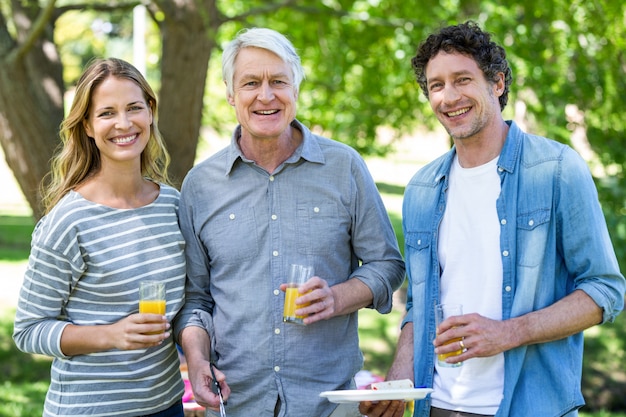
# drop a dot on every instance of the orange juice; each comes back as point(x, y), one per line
point(442, 313)
point(289, 315)
point(152, 306)
point(442, 356)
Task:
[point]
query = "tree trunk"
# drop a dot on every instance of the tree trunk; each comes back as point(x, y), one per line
point(188, 38)
point(31, 106)
point(31, 89)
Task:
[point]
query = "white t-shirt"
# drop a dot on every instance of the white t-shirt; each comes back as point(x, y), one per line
point(469, 256)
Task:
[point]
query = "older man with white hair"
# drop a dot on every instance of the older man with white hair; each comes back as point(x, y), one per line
point(279, 195)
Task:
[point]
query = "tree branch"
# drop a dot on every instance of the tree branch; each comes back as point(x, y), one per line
point(260, 10)
point(373, 21)
point(99, 7)
point(6, 40)
point(312, 10)
point(50, 13)
point(38, 27)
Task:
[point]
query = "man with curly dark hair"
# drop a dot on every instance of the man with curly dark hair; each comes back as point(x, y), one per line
point(508, 224)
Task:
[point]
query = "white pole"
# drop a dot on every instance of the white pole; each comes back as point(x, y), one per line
point(139, 38)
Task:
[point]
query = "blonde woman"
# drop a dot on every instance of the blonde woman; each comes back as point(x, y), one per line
point(111, 221)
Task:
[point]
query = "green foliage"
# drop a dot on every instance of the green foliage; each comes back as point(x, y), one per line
point(605, 375)
point(358, 73)
point(25, 377)
point(568, 60)
point(602, 414)
point(22, 399)
point(15, 234)
point(81, 35)
point(569, 64)
point(379, 335)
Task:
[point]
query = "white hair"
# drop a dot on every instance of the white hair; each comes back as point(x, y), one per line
point(267, 39)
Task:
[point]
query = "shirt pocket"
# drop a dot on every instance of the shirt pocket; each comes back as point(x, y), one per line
point(316, 224)
point(233, 236)
point(418, 254)
point(532, 236)
point(417, 240)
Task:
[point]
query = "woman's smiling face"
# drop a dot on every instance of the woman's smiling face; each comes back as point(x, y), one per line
point(119, 120)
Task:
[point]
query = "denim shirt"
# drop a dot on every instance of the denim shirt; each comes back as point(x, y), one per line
point(243, 227)
point(553, 240)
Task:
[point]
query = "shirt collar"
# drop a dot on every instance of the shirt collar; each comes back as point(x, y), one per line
point(512, 147)
point(309, 149)
point(508, 155)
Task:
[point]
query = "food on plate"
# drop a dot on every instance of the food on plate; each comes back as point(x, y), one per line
point(397, 384)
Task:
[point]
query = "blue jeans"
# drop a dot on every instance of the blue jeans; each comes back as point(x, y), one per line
point(175, 410)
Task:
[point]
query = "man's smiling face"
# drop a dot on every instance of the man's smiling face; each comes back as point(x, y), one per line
point(264, 94)
point(463, 100)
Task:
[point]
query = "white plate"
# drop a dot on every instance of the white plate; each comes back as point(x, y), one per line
point(358, 395)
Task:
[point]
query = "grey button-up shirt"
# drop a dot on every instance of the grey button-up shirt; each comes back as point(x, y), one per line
point(243, 227)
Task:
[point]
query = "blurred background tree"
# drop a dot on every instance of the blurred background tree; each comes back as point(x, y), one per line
point(567, 57)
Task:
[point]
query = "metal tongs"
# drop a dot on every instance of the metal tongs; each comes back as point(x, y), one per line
point(218, 390)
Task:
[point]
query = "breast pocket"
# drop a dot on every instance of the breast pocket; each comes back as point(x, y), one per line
point(417, 254)
point(233, 236)
point(318, 227)
point(532, 234)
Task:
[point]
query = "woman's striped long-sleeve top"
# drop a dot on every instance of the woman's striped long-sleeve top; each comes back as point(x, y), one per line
point(84, 268)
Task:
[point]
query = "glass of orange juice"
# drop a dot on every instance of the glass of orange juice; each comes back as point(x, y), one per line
point(298, 275)
point(442, 312)
point(152, 298)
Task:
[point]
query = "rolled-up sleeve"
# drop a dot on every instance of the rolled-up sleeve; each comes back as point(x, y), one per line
point(587, 248)
point(374, 241)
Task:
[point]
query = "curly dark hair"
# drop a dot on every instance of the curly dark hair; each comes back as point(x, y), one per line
point(468, 39)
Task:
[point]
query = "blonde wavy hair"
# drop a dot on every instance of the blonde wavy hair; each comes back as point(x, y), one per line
point(77, 157)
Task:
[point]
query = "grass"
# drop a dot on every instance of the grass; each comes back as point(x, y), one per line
point(15, 233)
point(25, 377)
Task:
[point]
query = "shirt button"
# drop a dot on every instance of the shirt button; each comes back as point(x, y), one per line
point(276, 292)
point(316, 209)
point(419, 241)
point(271, 178)
point(231, 216)
point(277, 331)
point(505, 253)
point(503, 222)
point(500, 169)
point(275, 253)
point(531, 222)
point(277, 368)
point(274, 217)
point(507, 288)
